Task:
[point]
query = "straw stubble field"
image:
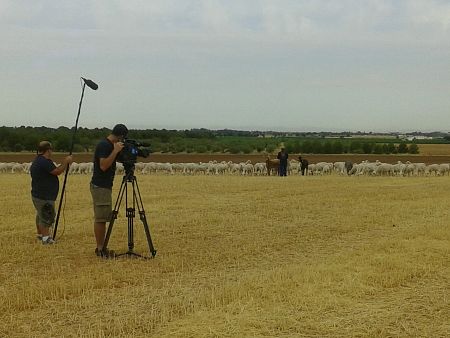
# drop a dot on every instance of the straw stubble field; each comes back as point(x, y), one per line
point(237, 257)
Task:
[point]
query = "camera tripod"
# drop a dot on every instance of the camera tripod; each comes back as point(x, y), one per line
point(130, 179)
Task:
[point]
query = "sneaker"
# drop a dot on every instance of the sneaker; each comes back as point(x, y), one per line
point(48, 241)
point(105, 253)
point(39, 237)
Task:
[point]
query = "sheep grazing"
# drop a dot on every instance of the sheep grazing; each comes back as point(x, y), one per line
point(270, 166)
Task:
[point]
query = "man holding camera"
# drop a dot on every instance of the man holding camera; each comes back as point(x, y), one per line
point(44, 189)
point(102, 183)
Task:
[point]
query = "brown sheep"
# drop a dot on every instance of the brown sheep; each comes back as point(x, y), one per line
point(272, 165)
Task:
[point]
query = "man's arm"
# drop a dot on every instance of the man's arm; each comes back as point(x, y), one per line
point(106, 163)
point(60, 169)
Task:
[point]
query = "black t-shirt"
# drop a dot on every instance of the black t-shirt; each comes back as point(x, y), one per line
point(283, 157)
point(44, 185)
point(102, 178)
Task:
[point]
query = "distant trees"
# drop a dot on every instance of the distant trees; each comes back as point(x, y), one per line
point(402, 148)
point(378, 149)
point(413, 148)
point(197, 141)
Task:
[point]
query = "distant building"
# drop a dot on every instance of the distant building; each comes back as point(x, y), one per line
point(414, 137)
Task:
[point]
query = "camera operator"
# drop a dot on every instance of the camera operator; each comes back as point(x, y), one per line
point(102, 183)
point(44, 189)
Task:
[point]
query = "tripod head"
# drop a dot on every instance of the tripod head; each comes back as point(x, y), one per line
point(129, 171)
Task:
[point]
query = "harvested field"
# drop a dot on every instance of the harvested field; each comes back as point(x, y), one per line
point(237, 257)
point(434, 149)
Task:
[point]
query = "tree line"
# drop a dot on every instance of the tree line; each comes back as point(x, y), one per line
point(17, 139)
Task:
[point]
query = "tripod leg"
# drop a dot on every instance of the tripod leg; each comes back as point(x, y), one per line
point(115, 213)
point(130, 216)
point(147, 233)
point(142, 217)
point(111, 224)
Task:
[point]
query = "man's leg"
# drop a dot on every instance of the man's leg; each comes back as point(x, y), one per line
point(46, 237)
point(101, 198)
point(37, 206)
point(100, 232)
point(43, 230)
point(38, 230)
point(45, 215)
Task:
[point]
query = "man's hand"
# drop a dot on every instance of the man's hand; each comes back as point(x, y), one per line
point(64, 165)
point(118, 146)
point(105, 163)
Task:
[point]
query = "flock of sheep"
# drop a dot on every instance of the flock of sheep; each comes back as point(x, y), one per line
point(248, 169)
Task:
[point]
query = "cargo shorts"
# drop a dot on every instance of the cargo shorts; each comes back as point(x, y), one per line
point(102, 198)
point(45, 211)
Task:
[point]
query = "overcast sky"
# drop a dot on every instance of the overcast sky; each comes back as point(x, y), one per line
point(294, 65)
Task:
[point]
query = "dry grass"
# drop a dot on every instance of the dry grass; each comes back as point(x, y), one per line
point(237, 257)
point(434, 149)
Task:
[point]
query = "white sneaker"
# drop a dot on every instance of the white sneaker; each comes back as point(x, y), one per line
point(48, 240)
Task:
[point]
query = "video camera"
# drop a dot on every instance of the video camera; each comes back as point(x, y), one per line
point(132, 149)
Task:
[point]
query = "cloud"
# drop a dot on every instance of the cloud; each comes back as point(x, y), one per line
point(324, 21)
point(252, 60)
point(431, 16)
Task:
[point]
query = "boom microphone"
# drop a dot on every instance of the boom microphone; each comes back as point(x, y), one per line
point(91, 84)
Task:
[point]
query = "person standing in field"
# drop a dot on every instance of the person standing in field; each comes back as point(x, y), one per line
point(283, 157)
point(102, 183)
point(45, 188)
point(303, 165)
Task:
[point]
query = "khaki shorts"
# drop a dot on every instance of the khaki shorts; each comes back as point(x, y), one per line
point(45, 211)
point(102, 198)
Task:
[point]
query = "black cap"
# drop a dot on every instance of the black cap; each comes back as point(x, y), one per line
point(120, 130)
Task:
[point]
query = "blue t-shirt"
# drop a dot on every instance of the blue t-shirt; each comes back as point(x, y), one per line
point(44, 185)
point(102, 178)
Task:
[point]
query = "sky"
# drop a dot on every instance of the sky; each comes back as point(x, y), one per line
point(285, 65)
